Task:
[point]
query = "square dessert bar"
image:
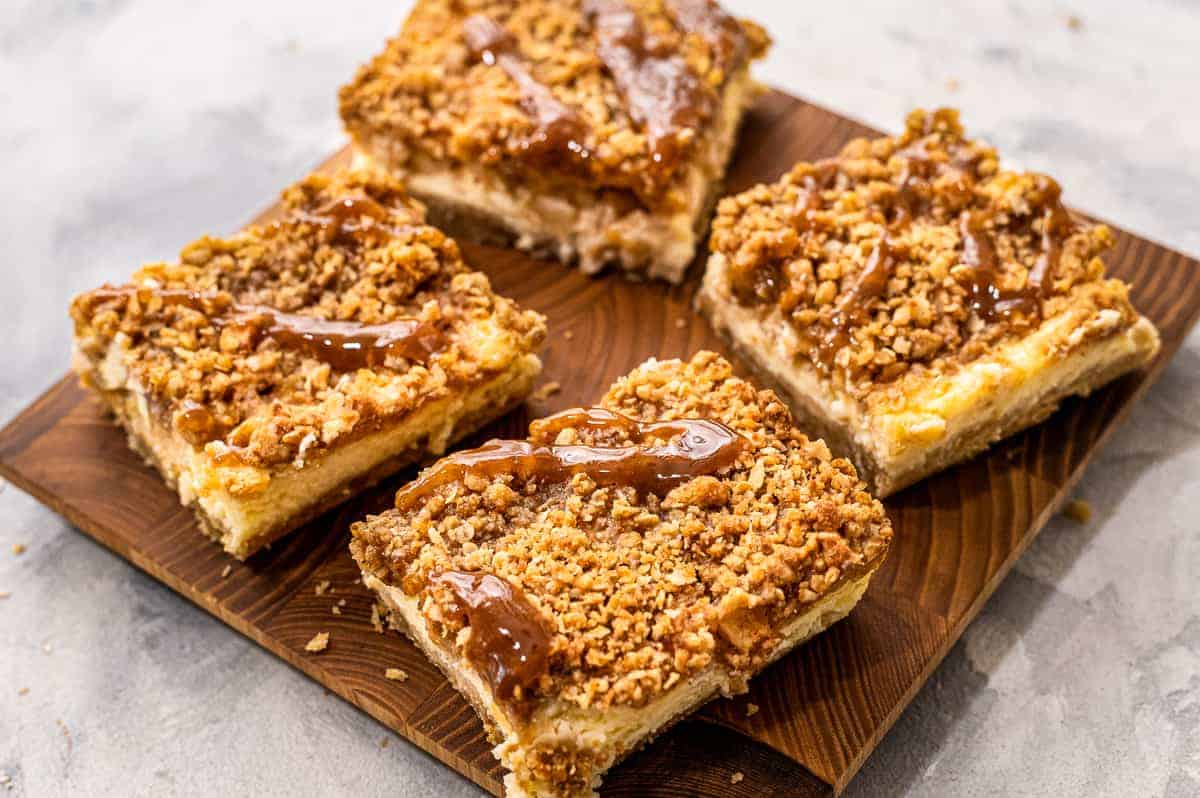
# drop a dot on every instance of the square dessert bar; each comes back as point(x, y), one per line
point(914, 302)
point(269, 375)
point(595, 131)
point(588, 586)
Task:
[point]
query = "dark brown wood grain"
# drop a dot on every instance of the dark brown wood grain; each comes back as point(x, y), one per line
point(822, 709)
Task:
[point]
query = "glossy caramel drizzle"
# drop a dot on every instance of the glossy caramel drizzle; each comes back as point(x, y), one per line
point(559, 132)
point(509, 642)
point(664, 454)
point(348, 220)
point(852, 309)
point(344, 345)
point(986, 297)
point(1057, 227)
point(661, 92)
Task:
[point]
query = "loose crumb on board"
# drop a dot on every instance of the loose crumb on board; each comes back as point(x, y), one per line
point(321, 587)
point(1078, 511)
point(377, 618)
point(545, 392)
point(736, 777)
point(568, 335)
point(319, 643)
point(681, 322)
point(226, 571)
point(751, 710)
point(396, 675)
point(336, 610)
point(18, 549)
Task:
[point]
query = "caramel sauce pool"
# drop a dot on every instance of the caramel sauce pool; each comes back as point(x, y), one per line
point(508, 641)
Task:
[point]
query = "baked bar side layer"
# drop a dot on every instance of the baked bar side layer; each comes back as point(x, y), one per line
point(1010, 389)
point(244, 524)
point(569, 222)
point(596, 740)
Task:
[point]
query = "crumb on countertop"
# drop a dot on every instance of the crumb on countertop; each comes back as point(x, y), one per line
point(4, 594)
point(736, 777)
point(18, 549)
point(319, 643)
point(23, 691)
point(1075, 22)
point(1078, 511)
point(751, 710)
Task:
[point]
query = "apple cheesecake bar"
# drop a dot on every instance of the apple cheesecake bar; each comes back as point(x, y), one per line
point(916, 303)
point(269, 375)
point(595, 131)
point(588, 586)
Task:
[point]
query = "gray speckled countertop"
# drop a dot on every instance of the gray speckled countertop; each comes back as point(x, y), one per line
point(129, 126)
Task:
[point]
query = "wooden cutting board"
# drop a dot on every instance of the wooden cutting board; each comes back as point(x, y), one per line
point(822, 709)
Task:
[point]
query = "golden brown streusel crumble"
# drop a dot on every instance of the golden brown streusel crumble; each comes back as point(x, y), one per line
point(904, 257)
point(247, 399)
point(427, 93)
point(641, 591)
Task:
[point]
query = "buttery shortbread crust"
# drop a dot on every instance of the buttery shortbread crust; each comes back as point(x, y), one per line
point(992, 309)
point(652, 604)
point(458, 127)
point(259, 425)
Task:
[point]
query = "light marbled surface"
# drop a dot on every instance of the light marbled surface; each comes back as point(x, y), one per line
point(127, 127)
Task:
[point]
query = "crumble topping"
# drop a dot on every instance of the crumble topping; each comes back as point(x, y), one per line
point(349, 252)
point(637, 591)
point(904, 257)
point(531, 85)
